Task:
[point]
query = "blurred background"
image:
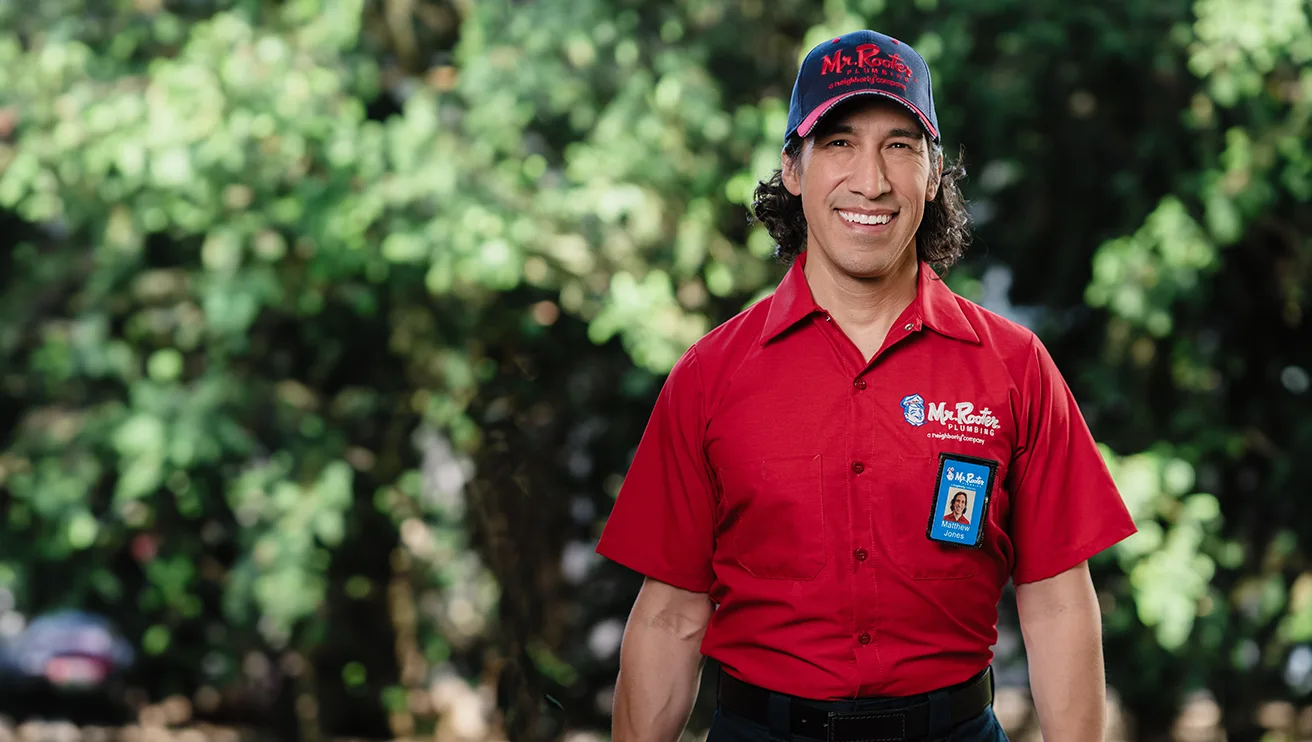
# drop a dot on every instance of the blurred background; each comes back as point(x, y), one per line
point(328, 327)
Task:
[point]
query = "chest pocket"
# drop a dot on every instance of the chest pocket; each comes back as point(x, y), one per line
point(902, 524)
point(772, 518)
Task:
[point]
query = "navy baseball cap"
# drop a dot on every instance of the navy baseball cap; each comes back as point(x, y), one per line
point(860, 63)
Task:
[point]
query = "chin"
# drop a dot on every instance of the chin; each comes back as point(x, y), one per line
point(868, 266)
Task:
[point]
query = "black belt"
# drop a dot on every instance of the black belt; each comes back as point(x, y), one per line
point(807, 719)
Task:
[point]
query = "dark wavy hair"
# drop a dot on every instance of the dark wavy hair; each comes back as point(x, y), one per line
point(941, 239)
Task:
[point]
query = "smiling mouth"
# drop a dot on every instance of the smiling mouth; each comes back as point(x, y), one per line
point(869, 220)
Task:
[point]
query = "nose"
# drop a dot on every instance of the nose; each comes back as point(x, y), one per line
point(867, 178)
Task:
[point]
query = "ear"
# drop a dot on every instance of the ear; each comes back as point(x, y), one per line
point(931, 188)
point(792, 173)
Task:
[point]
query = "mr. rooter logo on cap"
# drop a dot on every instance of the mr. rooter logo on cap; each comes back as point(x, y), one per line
point(890, 70)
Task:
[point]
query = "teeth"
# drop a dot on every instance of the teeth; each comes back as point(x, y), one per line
point(866, 218)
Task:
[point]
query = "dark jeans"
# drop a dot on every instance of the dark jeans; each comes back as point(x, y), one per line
point(729, 727)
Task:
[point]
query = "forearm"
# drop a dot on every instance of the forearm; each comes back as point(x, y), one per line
point(1063, 641)
point(660, 672)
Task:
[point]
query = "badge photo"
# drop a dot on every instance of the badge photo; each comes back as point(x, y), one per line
point(961, 500)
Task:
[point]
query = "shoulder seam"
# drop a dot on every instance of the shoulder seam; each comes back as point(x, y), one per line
point(1030, 353)
point(1024, 443)
point(695, 362)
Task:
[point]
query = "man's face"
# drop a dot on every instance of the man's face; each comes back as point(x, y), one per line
point(864, 177)
point(959, 504)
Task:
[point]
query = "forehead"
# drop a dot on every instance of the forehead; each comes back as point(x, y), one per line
point(868, 113)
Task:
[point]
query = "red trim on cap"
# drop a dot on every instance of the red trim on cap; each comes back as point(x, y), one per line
point(809, 122)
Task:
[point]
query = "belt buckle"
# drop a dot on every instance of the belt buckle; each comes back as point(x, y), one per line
point(848, 726)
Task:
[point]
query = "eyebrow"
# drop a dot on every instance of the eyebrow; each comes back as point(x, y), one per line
point(898, 133)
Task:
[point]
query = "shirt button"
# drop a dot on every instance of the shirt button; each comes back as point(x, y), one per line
point(861, 555)
point(864, 638)
point(909, 327)
point(859, 383)
point(858, 467)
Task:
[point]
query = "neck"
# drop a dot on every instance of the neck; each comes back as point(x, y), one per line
point(863, 304)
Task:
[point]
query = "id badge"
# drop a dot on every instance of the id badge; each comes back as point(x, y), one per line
point(961, 500)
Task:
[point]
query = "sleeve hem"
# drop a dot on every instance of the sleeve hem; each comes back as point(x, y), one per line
point(1054, 566)
point(681, 580)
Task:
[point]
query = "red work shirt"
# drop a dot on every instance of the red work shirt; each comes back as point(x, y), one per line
point(793, 481)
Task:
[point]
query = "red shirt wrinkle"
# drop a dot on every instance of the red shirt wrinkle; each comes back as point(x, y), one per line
point(793, 482)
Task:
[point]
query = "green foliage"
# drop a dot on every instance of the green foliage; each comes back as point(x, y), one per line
point(1139, 277)
point(317, 307)
point(1170, 562)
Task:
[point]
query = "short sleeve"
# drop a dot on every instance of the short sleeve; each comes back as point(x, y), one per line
point(1065, 506)
point(662, 524)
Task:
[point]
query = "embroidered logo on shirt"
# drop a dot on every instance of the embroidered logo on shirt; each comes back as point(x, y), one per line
point(913, 409)
point(961, 419)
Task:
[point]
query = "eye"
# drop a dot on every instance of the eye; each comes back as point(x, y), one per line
point(837, 142)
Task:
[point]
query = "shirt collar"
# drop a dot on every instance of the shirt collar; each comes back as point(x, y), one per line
point(792, 302)
point(935, 305)
point(940, 309)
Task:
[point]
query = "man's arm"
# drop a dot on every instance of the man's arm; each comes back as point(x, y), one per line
point(660, 663)
point(1062, 626)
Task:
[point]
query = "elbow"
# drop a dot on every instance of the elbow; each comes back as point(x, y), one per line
point(680, 613)
point(682, 625)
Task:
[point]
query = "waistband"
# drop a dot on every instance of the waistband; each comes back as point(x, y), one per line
point(910, 718)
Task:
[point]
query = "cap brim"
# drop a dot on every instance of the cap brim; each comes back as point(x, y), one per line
point(808, 124)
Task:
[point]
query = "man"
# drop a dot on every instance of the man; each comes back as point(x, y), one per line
point(778, 501)
point(957, 512)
